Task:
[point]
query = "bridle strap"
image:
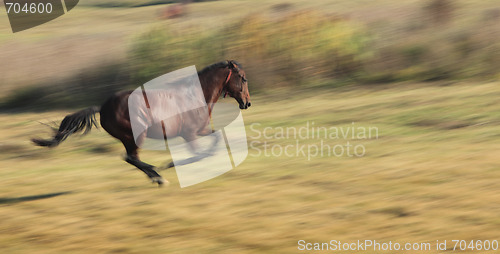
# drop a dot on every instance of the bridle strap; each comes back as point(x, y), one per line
point(227, 80)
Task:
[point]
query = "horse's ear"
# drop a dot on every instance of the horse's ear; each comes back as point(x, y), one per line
point(231, 64)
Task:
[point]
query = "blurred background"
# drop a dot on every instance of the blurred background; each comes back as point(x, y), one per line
point(424, 72)
point(282, 44)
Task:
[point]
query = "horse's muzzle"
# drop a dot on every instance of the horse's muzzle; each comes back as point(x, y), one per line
point(245, 105)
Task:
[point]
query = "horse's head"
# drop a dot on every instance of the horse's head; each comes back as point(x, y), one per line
point(236, 85)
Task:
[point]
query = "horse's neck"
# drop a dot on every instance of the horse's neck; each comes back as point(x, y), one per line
point(212, 84)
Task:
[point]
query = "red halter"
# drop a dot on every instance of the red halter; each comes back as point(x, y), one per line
point(227, 80)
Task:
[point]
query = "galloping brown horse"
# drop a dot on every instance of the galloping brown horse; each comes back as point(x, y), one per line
point(225, 77)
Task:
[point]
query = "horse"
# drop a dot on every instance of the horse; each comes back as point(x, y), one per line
point(216, 80)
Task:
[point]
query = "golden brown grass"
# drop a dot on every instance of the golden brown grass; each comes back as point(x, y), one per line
point(431, 175)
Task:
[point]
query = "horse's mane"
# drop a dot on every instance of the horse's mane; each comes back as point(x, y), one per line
point(221, 64)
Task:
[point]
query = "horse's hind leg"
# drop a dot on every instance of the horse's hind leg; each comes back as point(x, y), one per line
point(149, 170)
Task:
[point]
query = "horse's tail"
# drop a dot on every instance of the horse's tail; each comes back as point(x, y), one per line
point(76, 122)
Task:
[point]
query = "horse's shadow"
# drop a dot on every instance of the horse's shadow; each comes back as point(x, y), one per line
point(15, 200)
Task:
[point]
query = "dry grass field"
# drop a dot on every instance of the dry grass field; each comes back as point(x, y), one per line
point(432, 174)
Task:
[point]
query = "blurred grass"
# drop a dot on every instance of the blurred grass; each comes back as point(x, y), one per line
point(417, 183)
point(125, 3)
point(132, 3)
point(431, 175)
point(300, 48)
point(324, 44)
point(90, 87)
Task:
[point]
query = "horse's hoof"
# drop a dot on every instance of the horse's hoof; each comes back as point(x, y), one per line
point(167, 166)
point(159, 180)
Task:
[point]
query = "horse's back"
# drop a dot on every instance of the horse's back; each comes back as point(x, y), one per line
point(161, 115)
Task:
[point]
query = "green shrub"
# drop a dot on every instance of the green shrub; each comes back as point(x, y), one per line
point(299, 48)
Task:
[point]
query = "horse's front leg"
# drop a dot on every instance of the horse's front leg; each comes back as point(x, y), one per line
point(190, 138)
point(194, 148)
point(206, 131)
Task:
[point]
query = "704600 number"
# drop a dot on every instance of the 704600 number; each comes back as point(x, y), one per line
point(29, 8)
point(475, 245)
